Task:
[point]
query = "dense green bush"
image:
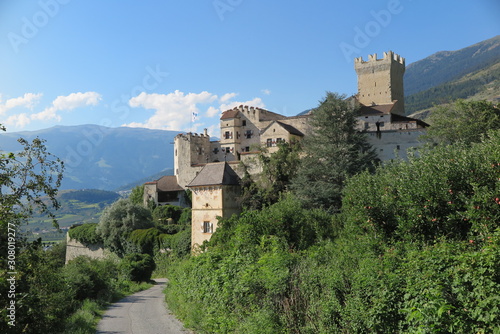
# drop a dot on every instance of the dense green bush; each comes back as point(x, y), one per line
point(118, 221)
point(414, 250)
point(451, 192)
point(90, 278)
point(137, 267)
point(179, 244)
point(146, 240)
point(162, 214)
point(85, 233)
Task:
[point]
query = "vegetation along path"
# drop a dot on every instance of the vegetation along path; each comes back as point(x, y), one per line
point(144, 312)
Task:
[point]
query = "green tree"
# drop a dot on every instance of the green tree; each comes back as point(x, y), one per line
point(119, 220)
point(29, 181)
point(333, 151)
point(448, 192)
point(466, 121)
point(137, 267)
point(278, 169)
point(137, 195)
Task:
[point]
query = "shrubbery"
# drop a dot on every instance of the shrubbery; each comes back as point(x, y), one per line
point(415, 249)
point(85, 233)
point(137, 267)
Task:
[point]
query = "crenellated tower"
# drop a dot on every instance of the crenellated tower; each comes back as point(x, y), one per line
point(380, 81)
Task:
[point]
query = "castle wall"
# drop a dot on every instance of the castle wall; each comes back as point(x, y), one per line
point(150, 193)
point(206, 207)
point(190, 150)
point(392, 144)
point(380, 81)
point(210, 202)
point(75, 248)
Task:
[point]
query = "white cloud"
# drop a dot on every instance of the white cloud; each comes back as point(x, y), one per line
point(173, 111)
point(212, 111)
point(68, 103)
point(28, 100)
point(228, 96)
point(266, 92)
point(255, 102)
point(20, 120)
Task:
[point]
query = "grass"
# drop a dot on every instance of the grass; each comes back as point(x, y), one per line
point(86, 318)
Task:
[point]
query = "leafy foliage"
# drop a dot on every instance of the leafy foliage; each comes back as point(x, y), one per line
point(162, 213)
point(118, 221)
point(89, 278)
point(451, 192)
point(278, 169)
point(30, 179)
point(137, 267)
point(414, 250)
point(452, 123)
point(334, 151)
point(85, 233)
point(137, 195)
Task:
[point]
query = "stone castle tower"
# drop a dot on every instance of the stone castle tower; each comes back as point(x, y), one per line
point(380, 81)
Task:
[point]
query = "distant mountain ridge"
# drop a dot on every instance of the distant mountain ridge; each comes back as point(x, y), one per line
point(102, 158)
point(445, 66)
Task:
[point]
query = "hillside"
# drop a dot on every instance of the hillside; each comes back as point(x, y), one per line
point(446, 66)
point(102, 158)
point(479, 85)
point(77, 206)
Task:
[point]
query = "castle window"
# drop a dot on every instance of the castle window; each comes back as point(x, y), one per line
point(247, 149)
point(227, 135)
point(269, 142)
point(398, 147)
point(279, 140)
point(207, 227)
point(244, 122)
point(249, 134)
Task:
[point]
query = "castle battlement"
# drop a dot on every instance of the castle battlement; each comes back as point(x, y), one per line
point(389, 56)
point(190, 135)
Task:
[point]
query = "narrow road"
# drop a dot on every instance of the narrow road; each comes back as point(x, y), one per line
point(144, 312)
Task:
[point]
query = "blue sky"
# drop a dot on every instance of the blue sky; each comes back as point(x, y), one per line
point(154, 63)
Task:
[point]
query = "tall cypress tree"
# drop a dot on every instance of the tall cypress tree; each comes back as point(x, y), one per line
point(333, 151)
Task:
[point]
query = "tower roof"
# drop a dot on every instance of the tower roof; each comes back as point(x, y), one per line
point(219, 173)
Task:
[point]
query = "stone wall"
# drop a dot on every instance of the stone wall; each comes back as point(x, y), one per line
point(75, 248)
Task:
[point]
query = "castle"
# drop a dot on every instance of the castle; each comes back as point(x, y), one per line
point(211, 169)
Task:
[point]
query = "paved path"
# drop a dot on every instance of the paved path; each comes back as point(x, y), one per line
point(144, 312)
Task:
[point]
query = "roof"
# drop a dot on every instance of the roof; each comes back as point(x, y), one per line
point(395, 118)
point(290, 129)
point(231, 113)
point(378, 109)
point(264, 115)
point(219, 173)
point(168, 183)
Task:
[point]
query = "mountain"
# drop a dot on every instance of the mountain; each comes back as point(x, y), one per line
point(473, 71)
point(102, 158)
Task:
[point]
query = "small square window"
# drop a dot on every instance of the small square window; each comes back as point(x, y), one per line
point(207, 227)
point(244, 122)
